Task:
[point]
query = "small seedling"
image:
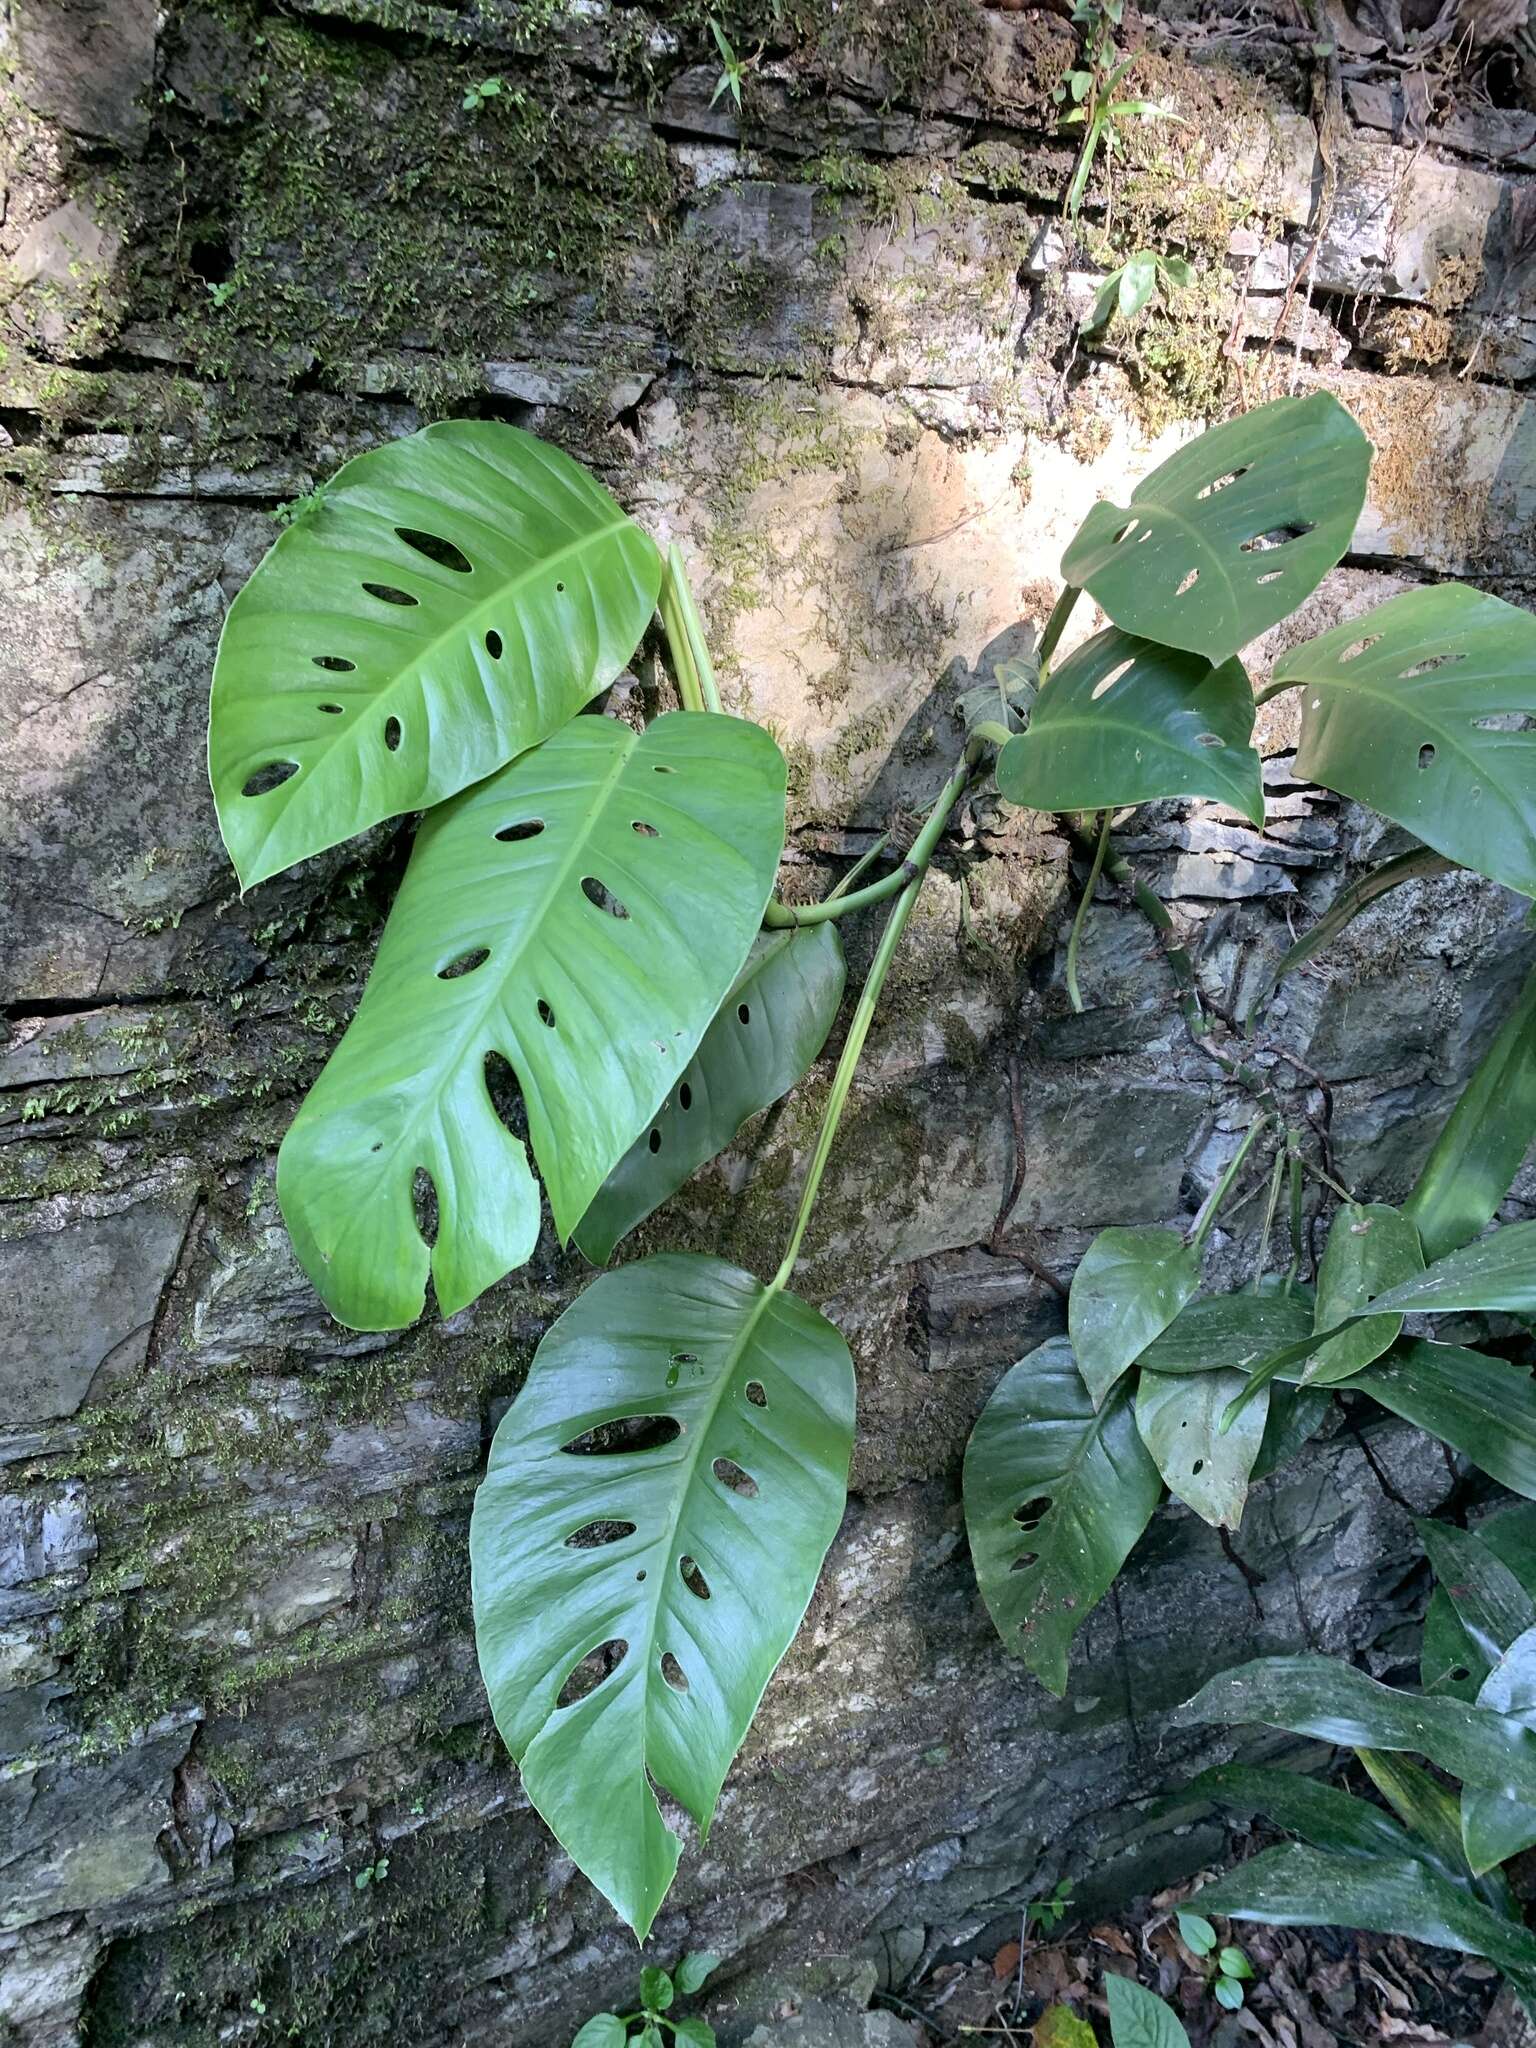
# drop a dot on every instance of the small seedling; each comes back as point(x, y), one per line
point(1090, 87)
point(371, 1873)
point(1128, 290)
point(222, 293)
point(1231, 1965)
point(477, 95)
point(735, 67)
point(1045, 1915)
point(658, 1988)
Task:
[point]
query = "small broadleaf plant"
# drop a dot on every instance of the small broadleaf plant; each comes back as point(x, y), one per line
point(654, 2017)
point(588, 921)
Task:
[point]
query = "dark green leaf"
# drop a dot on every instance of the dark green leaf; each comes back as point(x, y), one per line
point(1431, 1814)
point(1138, 2018)
point(1122, 721)
point(1055, 1497)
point(1178, 1416)
point(1227, 536)
point(596, 956)
point(692, 1971)
point(771, 1025)
point(1321, 1697)
point(1493, 1606)
point(1196, 1933)
point(1448, 1650)
point(1499, 1271)
point(1479, 1406)
point(1128, 1287)
point(698, 1550)
point(1485, 1138)
point(385, 703)
point(1229, 1331)
point(1298, 1887)
point(1295, 1415)
point(655, 1988)
point(1321, 1815)
point(603, 2030)
point(1496, 1825)
point(1370, 1248)
point(1408, 710)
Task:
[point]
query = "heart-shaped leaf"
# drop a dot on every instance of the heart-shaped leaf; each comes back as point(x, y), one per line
point(1128, 1287)
point(1179, 1418)
point(603, 2030)
point(1056, 1494)
point(581, 913)
point(1124, 721)
point(1495, 1825)
point(1498, 1272)
point(1138, 2018)
point(1480, 1406)
point(1370, 1248)
point(454, 597)
point(1222, 1332)
point(772, 1024)
point(1225, 538)
point(1410, 710)
point(661, 1493)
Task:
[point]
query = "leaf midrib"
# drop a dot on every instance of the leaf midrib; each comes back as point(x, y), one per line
point(1352, 687)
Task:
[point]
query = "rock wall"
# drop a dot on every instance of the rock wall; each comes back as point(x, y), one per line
point(828, 345)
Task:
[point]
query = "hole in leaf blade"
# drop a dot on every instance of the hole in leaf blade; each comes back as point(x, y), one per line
point(624, 1434)
point(731, 1476)
point(673, 1672)
point(273, 776)
point(424, 1205)
point(1033, 1512)
point(337, 663)
point(693, 1578)
point(546, 1015)
point(1426, 755)
point(1106, 683)
point(602, 897)
point(436, 549)
point(392, 734)
point(464, 963)
point(389, 593)
point(756, 1394)
point(589, 1674)
point(530, 828)
point(645, 831)
point(597, 1535)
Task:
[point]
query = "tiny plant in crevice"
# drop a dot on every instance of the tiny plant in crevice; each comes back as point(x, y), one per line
point(588, 917)
point(1128, 289)
point(733, 68)
point(653, 2017)
point(476, 96)
point(1045, 1915)
point(1087, 95)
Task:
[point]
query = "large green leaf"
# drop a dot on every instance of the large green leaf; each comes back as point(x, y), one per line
point(1320, 1814)
point(1056, 1495)
point(1322, 1697)
point(1449, 1660)
point(1498, 1272)
point(692, 1537)
point(772, 1024)
point(1138, 2018)
point(1223, 1332)
point(1490, 1602)
point(1480, 1406)
point(1299, 1887)
point(455, 596)
point(1408, 710)
point(1122, 721)
point(1227, 536)
point(1495, 1825)
point(603, 891)
point(1128, 1287)
point(1429, 1810)
point(1208, 1469)
point(1370, 1248)
point(1485, 1138)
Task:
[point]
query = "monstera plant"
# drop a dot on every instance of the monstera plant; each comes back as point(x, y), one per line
point(587, 959)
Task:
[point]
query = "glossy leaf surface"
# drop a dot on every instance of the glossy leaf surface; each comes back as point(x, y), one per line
point(1408, 709)
point(455, 597)
point(1235, 1332)
point(1122, 721)
point(1320, 1814)
point(1495, 1825)
point(1490, 1602)
point(771, 1025)
point(1370, 1248)
point(1480, 1406)
point(1056, 1495)
point(1128, 1287)
point(1427, 1809)
point(1450, 1661)
point(537, 921)
point(1179, 1418)
point(1498, 1272)
point(1295, 1415)
point(1227, 536)
point(1138, 2018)
point(697, 1547)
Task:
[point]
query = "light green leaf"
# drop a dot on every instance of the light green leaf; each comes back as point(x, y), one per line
point(771, 1025)
point(1179, 1418)
point(1190, 563)
point(696, 2032)
point(603, 2030)
point(1230, 1332)
point(1128, 1287)
point(1138, 281)
point(1059, 2027)
point(1480, 1406)
point(1370, 1248)
point(1056, 1495)
point(1499, 1271)
point(1123, 721)
point(1407, 710)
point(1298, 1887)
point(700, 1552)
point(597, 1009)
point(1228, 1992)
point(693, 1970)
point(1496, 1825)
point(1485, 1138)
point(1196, 1933)
point(1138, 2018)
point(1322, 1815)
point(655, 1988)
point(1235, 1963)
point(515, 589)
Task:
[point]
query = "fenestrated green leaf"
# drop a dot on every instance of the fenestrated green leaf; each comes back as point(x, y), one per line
point(1370, 1248)
point(1485, 1138)
point(1300, 1887)
point(1496, 1825)
point(1408, 710)
point(1228, 535)
point(601, 891)
point(1449, 1661)
point(698, 1552)
point(1499, 1271)
point(1122, 721)
point(772, 1024)
point(1230, 1332)
point(1138, 2018)
point(1480, 1406)
point(1056, 1494)
point(1321, 1697)
point(1295, 1415)
point(1493, 1607)
point(455, 597)
point(1320, 1814)
point(1207, 1470)
point(1128, 1287)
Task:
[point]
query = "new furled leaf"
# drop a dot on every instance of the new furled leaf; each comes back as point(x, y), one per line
point(1227, 536)
point(455, 597)
point(684, 1542)
point(540, 922)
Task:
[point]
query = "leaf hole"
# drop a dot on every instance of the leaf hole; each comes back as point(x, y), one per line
point(546, 1015)
point(1274, 537)
point(627, 1433)
point(1358, 647)
point(392, 734)
point(693, 1578)
point(1270, 576)
point(1197, 1468)
point(424, 1206)
point(530, 828)
point(560, 587)
point(1125, 532)
point(1107, 683)
point(654, 1141)
point(661, 768)
point(685, 1358)
point(1460, 1674)
point(336, 663)
point(273, 776)
point(436, 549)
point(464, 963)
point(595, 1535)
point(743, 1013)
point(506, 1097)
point(333, 709)
point(1022, 1564)
point(685, 1097)
point(673, 1672)
point(1429, 664)
point(756, 1394)
point(589, 1674)
point(1220, 483)
point(602, 897)
point(645, 831)
point(731, 1476)
point(1189, 582)
point(1208, 739)
point(1426, 755)
point(493, 644)
point(1033, 1512)
point(387, 593)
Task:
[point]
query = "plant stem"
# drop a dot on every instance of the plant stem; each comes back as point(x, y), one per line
point(1073, 995)
point(1061, 611)
point(1223, 1187)
point(1293, 1169)
point(1154, 911)
point(1277, 690)
point(842, 1080)
point(693, 626)
point(1277, 1174)
point(674, 624)
point(865, 859)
